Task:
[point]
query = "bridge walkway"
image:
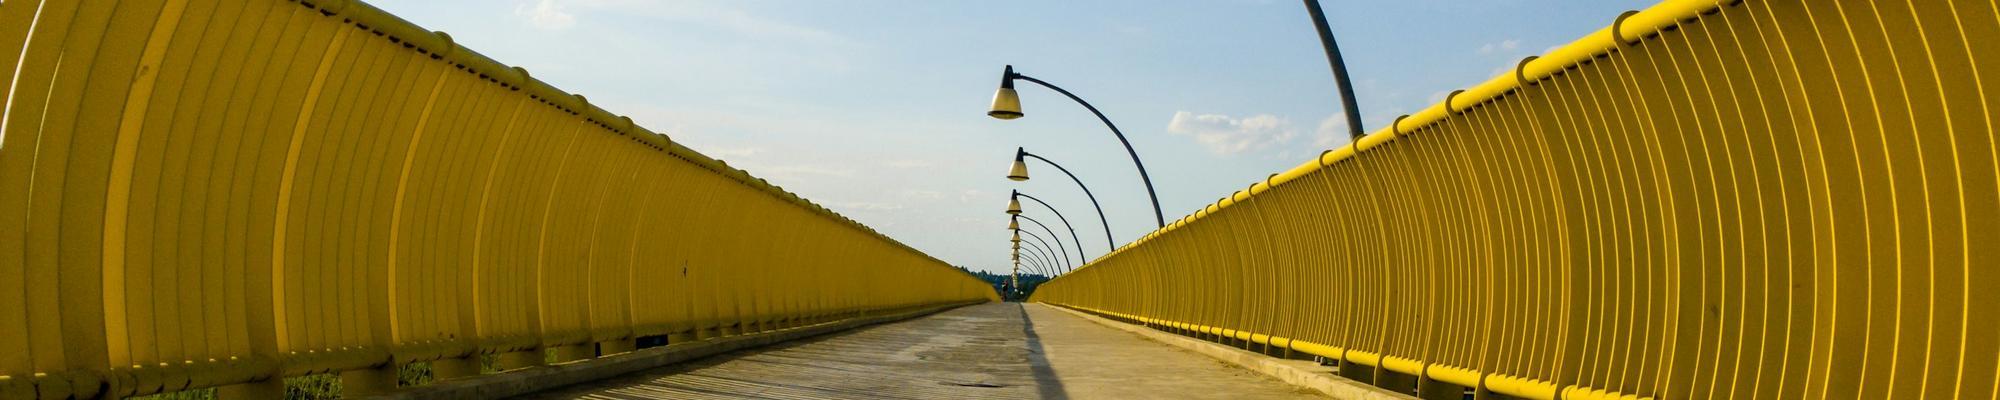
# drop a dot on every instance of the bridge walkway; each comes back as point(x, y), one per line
point(987, 351)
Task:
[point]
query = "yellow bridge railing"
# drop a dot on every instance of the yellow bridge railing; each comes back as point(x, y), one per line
point(1772, 199)
point(208, 193)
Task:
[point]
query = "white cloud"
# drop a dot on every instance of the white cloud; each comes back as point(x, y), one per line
point(923, 194)
point(546, 15)
point(907, 164)
point(795, 173)
point(1332, 131)
point(866, 206)
point(724, 15)
point(558, 15)
point(732, 152)
point(1226, 135)
point(1500, 46)
point(1437, 96)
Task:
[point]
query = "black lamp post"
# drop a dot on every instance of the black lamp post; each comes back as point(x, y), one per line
point(1354, 131)
point(1041, 267)
point(1015, 224)
point(1019, 172)
point(1058, 238)
point(1007, 105)
point(1109, 245)
point(1045, 249)
point(1034, 260)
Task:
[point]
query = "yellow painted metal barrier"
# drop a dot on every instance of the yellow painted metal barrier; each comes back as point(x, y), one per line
point(207, 193)
point(1772, 199)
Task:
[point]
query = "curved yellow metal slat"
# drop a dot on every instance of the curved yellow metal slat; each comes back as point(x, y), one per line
point(207, 193)
point(1755, 199)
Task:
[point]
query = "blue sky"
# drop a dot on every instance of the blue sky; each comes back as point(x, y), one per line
point(876, 109)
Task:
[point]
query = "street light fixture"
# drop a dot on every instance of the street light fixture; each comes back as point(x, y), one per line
point(1108, 244)
point(1043, 269)
point(1014, 206)
point(1045, 248)
point(1058, 239)
point(1007, 105)
point(1006, 102)
point(1018, 258)
point(1035, 268)
point(1039, 256)
point(1020, 155)
point(1019, 171)
point(1016, 277)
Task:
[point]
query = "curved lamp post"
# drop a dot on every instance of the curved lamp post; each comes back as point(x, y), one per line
point(1036, 259)
point(1015, 223)
point(1109, 245)
point(1045, 249)
point(1333, 59)
point(1007, 105)
point(1058, 238)
point(1014, 280)
point(1034, 253)
point(1016, 256)
point(1033, 260)
point(1017, 264)
point(1019, 172)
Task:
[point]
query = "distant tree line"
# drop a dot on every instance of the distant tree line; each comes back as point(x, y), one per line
point(1001, 283)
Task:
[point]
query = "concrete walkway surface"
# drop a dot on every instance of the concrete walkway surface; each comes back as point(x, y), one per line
point(986, 351)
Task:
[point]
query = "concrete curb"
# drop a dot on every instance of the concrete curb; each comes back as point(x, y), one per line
point(1300, 373)
point(537, 379)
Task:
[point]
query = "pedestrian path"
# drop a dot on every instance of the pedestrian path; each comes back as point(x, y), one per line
point(987, 351)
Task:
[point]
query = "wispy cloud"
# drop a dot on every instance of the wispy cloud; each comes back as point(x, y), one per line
point(923, 194)
point(1438, 96)
point(545, 15)
point(907, 164)
point(723, 15)
point(795, 172)
point(1500, 46)
point(732, 152)
point(1226, 135)
point(866, 206)
point(1332, 131)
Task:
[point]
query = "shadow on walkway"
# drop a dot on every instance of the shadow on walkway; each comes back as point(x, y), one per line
point(1046, 383)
